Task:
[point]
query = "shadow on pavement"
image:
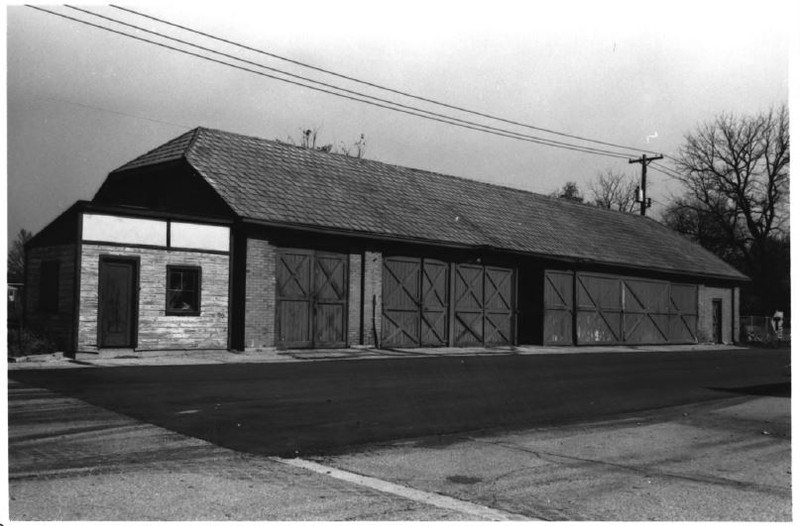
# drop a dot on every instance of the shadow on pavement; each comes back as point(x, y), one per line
point(780, 390)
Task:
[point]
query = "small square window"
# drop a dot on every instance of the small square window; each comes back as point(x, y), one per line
point(48, 286)
point(183, 291)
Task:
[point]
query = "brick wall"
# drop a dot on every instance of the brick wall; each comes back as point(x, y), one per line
point(260, 301)
point(705, 323)
point(57, 325)
point(259, 325)
point(354, 302)
point(373, 299)
point(156, 330)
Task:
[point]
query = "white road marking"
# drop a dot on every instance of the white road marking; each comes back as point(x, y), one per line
point(424, 497)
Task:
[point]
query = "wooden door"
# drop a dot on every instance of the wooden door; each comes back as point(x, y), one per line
point(434, 303)
point(498, 301)
point(716, 320)
point(683, 313)
point(558, 307)
point(311, 293)
point(117, 302)
point(646, 311)
point(598, 315)
point(484, 305)
point(468, 305)
point(293, 289)
point(401, 301)
point(415, 302)
point(329, 300)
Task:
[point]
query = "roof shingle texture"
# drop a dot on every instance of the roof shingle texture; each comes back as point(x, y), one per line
point(274, 182)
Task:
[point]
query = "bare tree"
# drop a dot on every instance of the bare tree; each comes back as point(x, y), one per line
point(16, 257)
point(614, 190)
point(308, 139)
point(735, 174)
point(735, 171)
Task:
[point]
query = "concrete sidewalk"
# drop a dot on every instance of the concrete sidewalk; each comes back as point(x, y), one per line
point(208, 357)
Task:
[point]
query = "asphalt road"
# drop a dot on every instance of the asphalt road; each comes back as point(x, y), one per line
point(291, 409)
point(73, 461)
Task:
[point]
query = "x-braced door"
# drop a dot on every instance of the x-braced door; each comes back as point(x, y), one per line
point(483, 305)
point(598, 309)
point(311, 292)
point(415, 302)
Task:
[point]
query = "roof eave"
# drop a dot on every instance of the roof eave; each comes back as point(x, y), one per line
point(376, 236)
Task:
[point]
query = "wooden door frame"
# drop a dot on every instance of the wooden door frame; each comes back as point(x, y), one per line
point(279, 252)
point(512, 304)
point(578, 309)
point(315, 300)
point(568, 304)
point(417, 260)
point(312, 302)
point(513, 284)
point(135, 261)
point(445, 269)
point(422, 263)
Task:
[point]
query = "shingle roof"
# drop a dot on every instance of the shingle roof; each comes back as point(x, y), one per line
point(279, 183)
point(169, 151)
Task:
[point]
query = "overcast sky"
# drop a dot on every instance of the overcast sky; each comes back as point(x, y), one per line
point(83, 101)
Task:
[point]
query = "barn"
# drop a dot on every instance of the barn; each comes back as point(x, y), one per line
point(216, 240)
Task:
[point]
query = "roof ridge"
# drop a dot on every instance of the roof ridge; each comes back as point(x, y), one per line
point(143, 159)
point(423, 171)
point(195, 133)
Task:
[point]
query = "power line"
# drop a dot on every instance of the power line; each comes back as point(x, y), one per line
point(539, 140)
point(665, 170)
point(445, 119)
point(53, 99)
point(378, 86)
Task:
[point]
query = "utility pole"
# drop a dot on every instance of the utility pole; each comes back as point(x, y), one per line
point(641, 192)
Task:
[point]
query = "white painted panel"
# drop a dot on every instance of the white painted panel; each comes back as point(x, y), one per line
point(203, 237)
point(129, 230)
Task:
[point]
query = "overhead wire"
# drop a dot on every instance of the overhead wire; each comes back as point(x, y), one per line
point(538, 140)
point(106, 110)
point(443, 119)
point(378, 86)
point(665, 170)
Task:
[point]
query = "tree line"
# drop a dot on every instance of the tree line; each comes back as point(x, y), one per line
point(733, 175)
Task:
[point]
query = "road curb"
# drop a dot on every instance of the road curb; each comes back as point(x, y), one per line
point(423, 497)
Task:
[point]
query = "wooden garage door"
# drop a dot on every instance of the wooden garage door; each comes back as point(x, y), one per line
point(311, 293)
point(622, 310)
point(558, 307)
point(415, 302)
point(646, 311)
point(683, 313)
point(483, 305)
point(598, 314)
